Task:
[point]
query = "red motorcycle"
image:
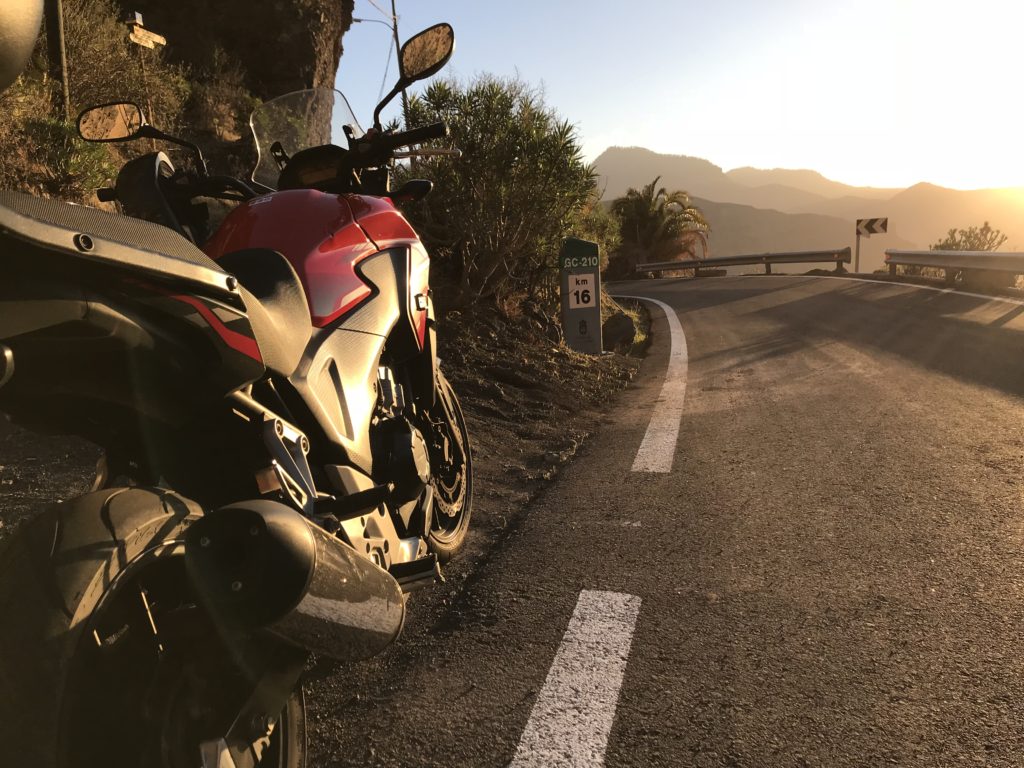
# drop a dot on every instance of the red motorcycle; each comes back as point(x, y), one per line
point(282, 457)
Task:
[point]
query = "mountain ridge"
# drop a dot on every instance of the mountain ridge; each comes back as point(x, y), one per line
point(919, 215)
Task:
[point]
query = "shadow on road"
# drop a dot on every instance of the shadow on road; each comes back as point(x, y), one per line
point(925, 328)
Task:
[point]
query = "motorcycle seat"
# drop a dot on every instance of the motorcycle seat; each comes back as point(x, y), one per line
point(107, 238)
point(276, 304)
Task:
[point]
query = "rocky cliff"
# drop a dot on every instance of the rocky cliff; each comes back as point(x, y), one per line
point(278, 45)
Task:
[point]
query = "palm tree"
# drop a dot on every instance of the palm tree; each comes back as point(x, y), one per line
point(658, 225)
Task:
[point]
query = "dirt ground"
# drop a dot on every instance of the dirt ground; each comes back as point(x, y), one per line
point(36, 469)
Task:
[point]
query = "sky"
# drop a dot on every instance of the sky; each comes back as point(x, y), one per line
point(882, 93)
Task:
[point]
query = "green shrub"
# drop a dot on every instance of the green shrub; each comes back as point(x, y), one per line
point(983, 238)
point(72, 167)
point(497, 217)
point(595, 222)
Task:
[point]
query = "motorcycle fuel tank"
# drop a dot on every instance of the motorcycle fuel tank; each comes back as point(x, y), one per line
point(316, 232)
point(324, 236)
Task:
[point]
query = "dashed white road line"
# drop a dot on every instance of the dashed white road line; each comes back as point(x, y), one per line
point(658, 448)
point(573, 714)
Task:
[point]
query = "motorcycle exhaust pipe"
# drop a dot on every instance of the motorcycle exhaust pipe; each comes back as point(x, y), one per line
point(261, 565)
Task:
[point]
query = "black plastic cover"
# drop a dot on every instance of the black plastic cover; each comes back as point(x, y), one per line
point(279, 315)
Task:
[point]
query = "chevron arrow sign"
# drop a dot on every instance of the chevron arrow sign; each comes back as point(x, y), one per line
point(869, 227)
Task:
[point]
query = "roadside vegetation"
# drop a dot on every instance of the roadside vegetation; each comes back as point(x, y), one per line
point(500, 213)
point(41, 151)
point(655, 225)
point(983, 238)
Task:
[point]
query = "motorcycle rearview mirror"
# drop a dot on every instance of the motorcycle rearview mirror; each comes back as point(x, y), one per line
point(124, 121)
point(426, 53)
point(422, 56)
point(117, 121)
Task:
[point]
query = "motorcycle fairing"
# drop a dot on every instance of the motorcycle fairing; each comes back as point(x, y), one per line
point(337, 376)
point(388, 228)
point(381, 222)
point(362, 298)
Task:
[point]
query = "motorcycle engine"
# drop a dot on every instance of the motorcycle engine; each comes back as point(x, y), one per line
point(400, 447)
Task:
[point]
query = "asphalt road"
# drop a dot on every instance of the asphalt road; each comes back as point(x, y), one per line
point(830, 571)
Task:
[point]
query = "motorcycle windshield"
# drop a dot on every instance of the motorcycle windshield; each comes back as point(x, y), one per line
point(299, 120)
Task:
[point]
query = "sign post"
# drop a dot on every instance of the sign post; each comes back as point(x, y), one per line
point(143, 38)
point(868, 227)
point(580, 266)
point(57, 54)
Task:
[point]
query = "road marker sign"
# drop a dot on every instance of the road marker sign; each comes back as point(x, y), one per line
point(144, 37)
point(869, 227)
point(582, 293)
point(580, 263)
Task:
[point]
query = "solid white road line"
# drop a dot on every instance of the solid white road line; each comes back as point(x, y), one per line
point(659, 444)
point(572, 717)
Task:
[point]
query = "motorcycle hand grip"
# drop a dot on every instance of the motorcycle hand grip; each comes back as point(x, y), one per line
point(437, 130)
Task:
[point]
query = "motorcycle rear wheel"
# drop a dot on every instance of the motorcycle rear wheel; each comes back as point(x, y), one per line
point(105, 659)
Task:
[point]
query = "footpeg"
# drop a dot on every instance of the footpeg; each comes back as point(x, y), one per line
point(356, 503)
point(416, 574)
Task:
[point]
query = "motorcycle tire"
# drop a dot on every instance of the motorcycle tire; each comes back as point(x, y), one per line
point(453, 485)
point(103, 650)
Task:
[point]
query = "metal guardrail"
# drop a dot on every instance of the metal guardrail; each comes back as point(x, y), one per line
point(955, 261)
point(840, 256)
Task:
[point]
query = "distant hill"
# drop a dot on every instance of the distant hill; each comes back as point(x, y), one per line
point(739, 229)
point(810, 211)
point(623, 167)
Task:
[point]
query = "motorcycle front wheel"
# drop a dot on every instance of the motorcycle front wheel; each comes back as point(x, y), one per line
point(452, 469)
point(105, 657)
